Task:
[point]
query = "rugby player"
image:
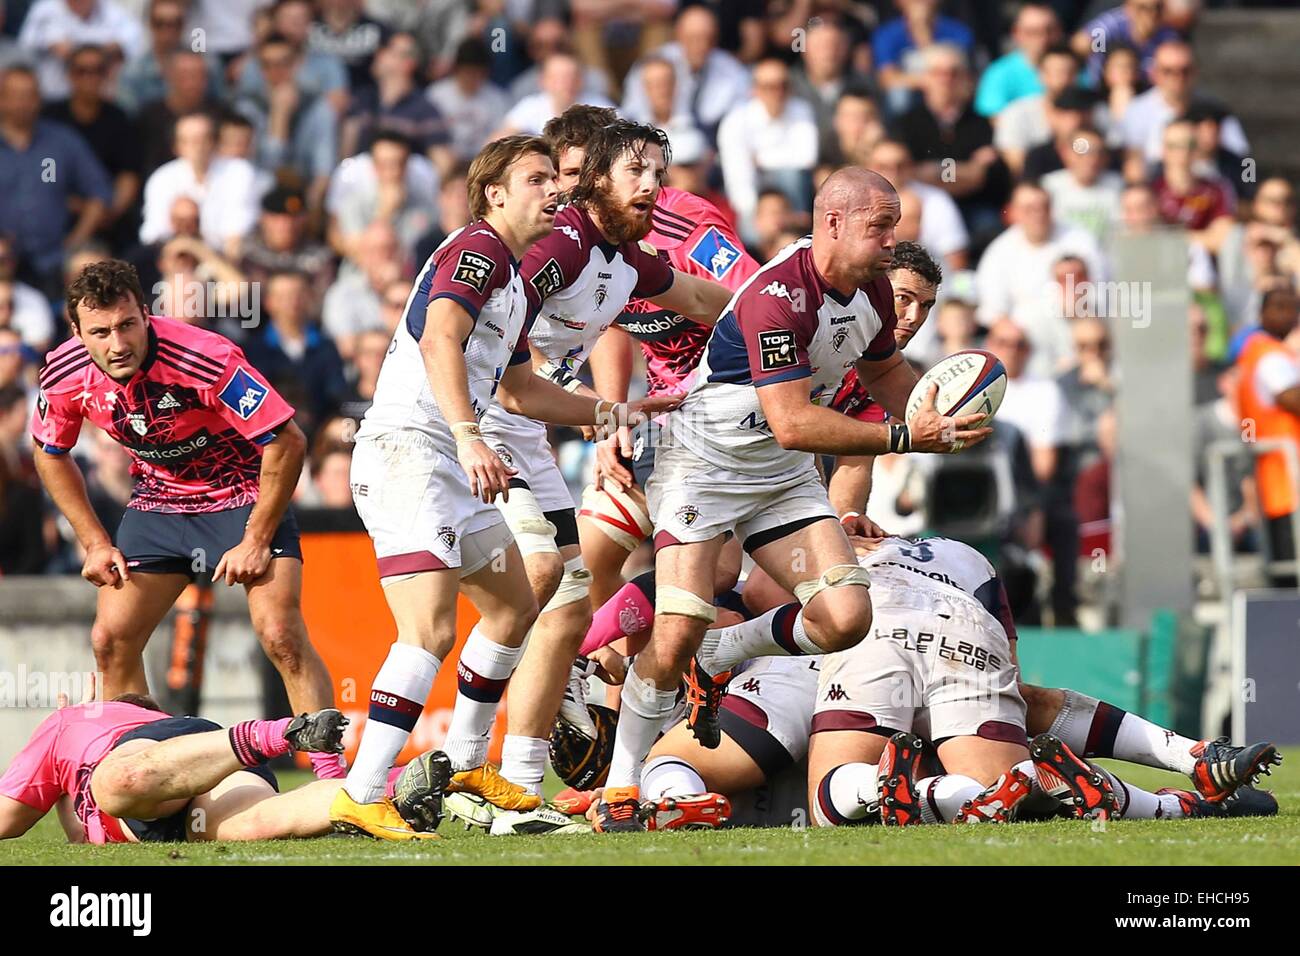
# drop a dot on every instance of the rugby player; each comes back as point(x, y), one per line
point(423, 478)
point(738, 457)
point(123, 771)
point(216, 456)
point(583, 273)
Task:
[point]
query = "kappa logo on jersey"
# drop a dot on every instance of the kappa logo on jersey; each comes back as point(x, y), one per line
point(137, 422)
point(572, 234)
point(687, 514)
point(473, 269)
point(548, 280)
point(752, 686)
point(715, 252)
point(243, 394)
point(447, 535)
point(776, 349)
point(777, 289)
point(836, 692)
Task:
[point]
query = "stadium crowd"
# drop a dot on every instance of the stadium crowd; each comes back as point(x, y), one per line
point(278, 171)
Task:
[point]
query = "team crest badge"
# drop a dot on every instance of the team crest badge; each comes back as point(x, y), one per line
point(687, 514)
point(838, 338)
point(473, 269)
point(507, 459)
point(137, 423)
point(447, 535)
point(601, 294)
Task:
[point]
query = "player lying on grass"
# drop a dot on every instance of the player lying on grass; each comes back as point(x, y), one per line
point(122, 771)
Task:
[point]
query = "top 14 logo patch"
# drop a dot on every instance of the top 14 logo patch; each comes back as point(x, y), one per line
point(715, 253)
point(473, 269)
point(776, 349)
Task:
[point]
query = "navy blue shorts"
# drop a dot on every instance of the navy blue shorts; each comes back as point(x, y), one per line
point(161, 542)
point(171, 829)
point(645, 437)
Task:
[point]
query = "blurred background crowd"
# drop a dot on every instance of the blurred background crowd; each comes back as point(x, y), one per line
point(278, 170)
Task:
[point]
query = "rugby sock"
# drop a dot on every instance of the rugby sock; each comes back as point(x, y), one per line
point(482, 674)
point(523, 761)
point(328, 766)
point(640, 719)
point(1094, 728)
point(257, 741)
point(670, 776)
point(778, 633)
point(397, 697)
point(630, 611)
point(1139, 804)
point(941, 797)
point(847, 796)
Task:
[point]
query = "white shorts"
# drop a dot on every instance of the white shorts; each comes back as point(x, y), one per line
point(523, 445)
point(768, 710)
point(416, 503)
point(936, 664)
point(691, 500)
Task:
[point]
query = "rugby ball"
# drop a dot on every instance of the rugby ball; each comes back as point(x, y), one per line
point(971, 382)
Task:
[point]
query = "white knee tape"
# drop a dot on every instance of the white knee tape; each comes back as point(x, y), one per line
point(839, 576)
point(622, 517)
point(574, 585)
point(673, 600)
point(533, 533)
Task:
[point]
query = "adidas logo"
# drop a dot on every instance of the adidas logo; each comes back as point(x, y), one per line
point(836, 692)
point(167, 402)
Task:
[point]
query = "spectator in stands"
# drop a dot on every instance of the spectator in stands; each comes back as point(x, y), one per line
point(367, 358)
point(561, 87)
point(387, 201)
point(30, 312)
point(1140, 214)
point(187, 89)
point(109, 481)
point(1092, 488)
point(1024, 124)
point(690, 167)
point(1257, 254)
point(710, 81)
point(856, 128)
point(281, 243)
point(1219, 422)
point(941, 230)
point(315, 74)
point(1268, 395)
point(1074, 294)
point(471, 105)
point(769, 140)
point(1136, 23)
point(898, 47)
point(141, 80)
point(1205, 372)
point(609, 36)
point(1069, 112)
point(223, 188)
point(392, 306)
point(550, 35)
point(395, 104)
point(1087, 387)
point(36, 207)
point(659, 79)
point(1121, 81)
point(822, 73)
point(22, 536)
point(1086, 193)
point(292, 352)
point(184, 221)
point(1185, 198)
point(1213, 159)
point(773, 213)
point(1015, 276)
point(237, 139)
point(15, 358)
point(52, 29)
point(952, 144)
point(1014, 75)
point(111, 135)
point(956, 326)
point(342, 30)
point(453, 212)
point(1174, 93)
point(329, 478)
point(295, 127)
point(353, 304)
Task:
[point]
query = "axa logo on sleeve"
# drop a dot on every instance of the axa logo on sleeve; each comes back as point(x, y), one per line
point(715, 253)
point(243, 394)
point(77, 909)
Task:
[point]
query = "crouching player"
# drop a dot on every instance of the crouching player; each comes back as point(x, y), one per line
point(122, 771)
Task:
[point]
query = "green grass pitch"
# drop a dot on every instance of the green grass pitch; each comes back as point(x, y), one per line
point(1252, 842)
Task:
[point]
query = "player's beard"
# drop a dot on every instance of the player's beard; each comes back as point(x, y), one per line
point(619, 222)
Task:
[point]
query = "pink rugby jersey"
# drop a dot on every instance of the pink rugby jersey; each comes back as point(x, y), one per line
point(62, 754)
point(698, 241)
point(194, 417)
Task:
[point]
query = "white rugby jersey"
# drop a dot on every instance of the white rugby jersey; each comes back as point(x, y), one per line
point(581, 284)
point(941, 562)
point(785, 323)
point(474, 268)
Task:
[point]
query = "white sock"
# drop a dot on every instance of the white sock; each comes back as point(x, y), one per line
point(1134, 803)
point(523, 761)
point(941, 797)
point(397, 697)
point(1140, 741)
point(669, 776)
point(1094, 728)
point(847, 795)
point(639, 721)
point(482, 673)
point(778, 633)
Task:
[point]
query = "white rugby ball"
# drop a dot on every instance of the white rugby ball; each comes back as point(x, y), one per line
point(971, 382)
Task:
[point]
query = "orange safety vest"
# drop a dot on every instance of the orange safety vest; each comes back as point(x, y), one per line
point(1278, 493)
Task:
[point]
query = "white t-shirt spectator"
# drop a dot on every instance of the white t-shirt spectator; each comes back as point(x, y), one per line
point(943, 231)
point(1147, 116)
point(228, 199)
point(750, 139)
point(470, 118)
point(1037, 409)
point(51, 21)
point(531, 113)
point(357, 174)
point(1095, 208)
point(723, 84)
point(1274, 374)
point(33, 318)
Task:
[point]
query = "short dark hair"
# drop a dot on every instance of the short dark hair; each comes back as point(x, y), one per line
point(102, 284)
point(913, 257)
point(607, 145)
point(138, 700)
point(576, 126)
point(1060, 49)
point(390, 135)
point(493, 163)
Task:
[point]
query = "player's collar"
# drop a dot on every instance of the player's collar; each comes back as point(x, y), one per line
point(492, 229)
point(829, 290)
point(152, 353)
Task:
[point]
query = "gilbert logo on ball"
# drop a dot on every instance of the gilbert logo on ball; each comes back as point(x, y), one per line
point(971, 382)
